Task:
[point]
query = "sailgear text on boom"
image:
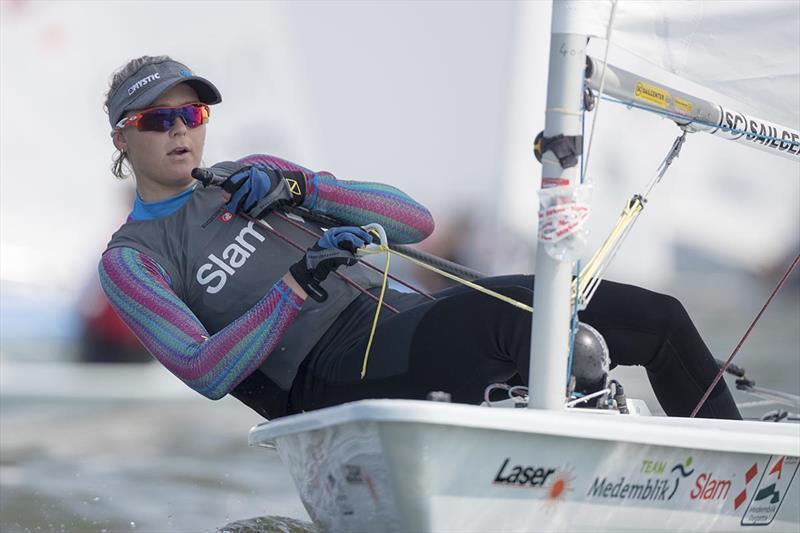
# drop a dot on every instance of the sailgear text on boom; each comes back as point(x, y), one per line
point(739, 125)
point(234, 256)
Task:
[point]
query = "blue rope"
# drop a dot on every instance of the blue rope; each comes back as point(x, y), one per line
point(684, 118)
point(574, 325)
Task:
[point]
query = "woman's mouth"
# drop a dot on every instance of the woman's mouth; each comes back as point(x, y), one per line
point(181, 150)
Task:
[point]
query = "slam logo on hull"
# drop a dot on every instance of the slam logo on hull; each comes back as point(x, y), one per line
point(707, 487)
point(214, 274)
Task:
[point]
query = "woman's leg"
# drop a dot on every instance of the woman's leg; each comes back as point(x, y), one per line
point(645, 328)
point(457, 344)
point(466, 340)
point(642, 327)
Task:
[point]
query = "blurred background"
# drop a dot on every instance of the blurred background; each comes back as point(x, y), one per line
point(441, 99)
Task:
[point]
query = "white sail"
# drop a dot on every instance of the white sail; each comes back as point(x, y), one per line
point(737, 228)
point(745, 50)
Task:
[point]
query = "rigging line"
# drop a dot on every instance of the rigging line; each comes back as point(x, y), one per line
point(594, 283)
point(479, 288)
point(602, 80)
point(785, 398)
point(313, 233)
point(576, 301)
point(595, 268)
point(673, 153)
point(593, 275)
point(688, 121)
point(774, 400)
point(377, 314)
point(582, 399)
point(422, 260)
point(427, 258)
point(289, 241)
point(755, 403)
point(744, 337)
point(794, 398)
point(442, 263)
point(425, 261)
point(576, 305)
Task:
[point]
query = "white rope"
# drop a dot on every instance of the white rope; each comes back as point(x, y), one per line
point(776, 397)
point(588, 397)
point(757, 403)
point(609, 30)
point(520, 390)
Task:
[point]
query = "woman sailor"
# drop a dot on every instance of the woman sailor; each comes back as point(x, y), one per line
point(223, 302)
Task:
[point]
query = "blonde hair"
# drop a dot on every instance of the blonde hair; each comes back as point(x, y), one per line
point(121, 166)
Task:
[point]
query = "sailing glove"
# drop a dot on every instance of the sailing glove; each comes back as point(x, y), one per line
point(335, 248)
point(256, 191)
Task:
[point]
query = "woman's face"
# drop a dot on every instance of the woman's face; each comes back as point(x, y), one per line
point(163, 161)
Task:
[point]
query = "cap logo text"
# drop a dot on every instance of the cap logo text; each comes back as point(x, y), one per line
point(142, 82)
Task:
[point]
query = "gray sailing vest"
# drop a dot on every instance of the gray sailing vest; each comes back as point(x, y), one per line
point(221, 265)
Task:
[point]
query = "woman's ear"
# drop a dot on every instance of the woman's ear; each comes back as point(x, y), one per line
point(119, 140)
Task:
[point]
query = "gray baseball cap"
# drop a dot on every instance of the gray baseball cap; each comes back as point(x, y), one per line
point(144, 86)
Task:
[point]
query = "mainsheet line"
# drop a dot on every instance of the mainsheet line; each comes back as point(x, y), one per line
point(746, 334)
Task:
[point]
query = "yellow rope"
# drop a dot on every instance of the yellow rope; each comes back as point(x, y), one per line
point(376, 249)
point(626, 218)
point(588, 272)
point(377, 314)
point(475, 286)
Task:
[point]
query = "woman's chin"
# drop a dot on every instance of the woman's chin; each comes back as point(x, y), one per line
point(183, 168)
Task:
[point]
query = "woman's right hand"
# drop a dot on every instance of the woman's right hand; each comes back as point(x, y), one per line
point(335, 248)
point(254, 190)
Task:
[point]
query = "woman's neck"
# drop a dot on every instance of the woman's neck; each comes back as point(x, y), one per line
point(144, 210)
point(150, 191)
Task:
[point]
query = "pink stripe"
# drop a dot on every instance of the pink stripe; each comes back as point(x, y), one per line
point(218, 347)
point(404, 213)
point(130, 285)
point(213, 351)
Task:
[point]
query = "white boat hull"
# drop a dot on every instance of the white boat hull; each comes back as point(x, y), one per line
point(396, 465)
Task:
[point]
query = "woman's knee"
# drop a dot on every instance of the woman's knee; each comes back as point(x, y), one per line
point(631, 305)
point(673, 312)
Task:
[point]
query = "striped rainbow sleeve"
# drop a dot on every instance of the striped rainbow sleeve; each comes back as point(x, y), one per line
point(139, 290)
point(358, 202)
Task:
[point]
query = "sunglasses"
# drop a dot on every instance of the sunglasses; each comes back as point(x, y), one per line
point(163, 118)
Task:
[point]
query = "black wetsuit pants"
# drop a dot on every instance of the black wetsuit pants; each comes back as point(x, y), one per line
point(465, 340)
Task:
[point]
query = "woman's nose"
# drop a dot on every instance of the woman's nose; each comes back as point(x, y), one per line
point(179, 127)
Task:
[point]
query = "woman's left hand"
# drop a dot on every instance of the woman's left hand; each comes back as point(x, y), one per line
point(348, 238)
point(334, 249)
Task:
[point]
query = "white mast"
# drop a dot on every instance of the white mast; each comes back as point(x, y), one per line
point(551, 319)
